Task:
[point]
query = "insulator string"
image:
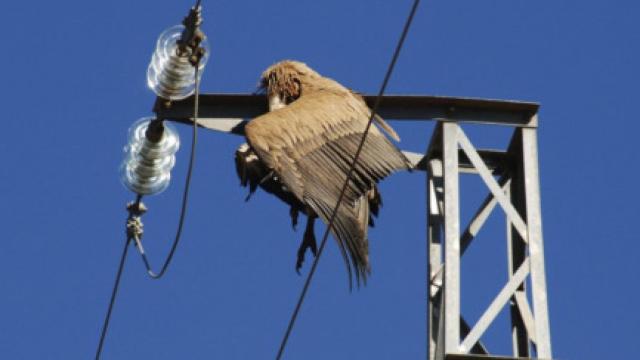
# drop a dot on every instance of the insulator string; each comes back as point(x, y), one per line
point(135, 212)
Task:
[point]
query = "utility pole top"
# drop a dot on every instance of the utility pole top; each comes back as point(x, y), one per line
point(512, 179)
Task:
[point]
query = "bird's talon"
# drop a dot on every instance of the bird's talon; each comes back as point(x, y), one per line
point(299, 263)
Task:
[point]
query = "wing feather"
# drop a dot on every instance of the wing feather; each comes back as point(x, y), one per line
point(310, 145)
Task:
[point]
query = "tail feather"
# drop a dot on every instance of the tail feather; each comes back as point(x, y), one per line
point(350, 229)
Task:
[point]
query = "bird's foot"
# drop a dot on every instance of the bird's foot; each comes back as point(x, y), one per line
point(308, 242)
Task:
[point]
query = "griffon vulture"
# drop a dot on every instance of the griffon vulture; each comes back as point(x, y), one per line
point(302, 149)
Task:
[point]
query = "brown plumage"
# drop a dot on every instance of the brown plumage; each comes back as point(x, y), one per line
point(301, 151)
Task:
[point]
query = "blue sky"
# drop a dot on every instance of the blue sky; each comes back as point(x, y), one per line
point(74, 75)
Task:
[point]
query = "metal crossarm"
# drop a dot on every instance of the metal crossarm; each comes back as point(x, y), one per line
point(406, 107)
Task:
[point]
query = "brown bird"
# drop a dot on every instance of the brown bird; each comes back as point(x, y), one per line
point(302, 149)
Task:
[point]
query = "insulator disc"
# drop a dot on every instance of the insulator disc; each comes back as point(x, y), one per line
point(147, 166)
point(170, 75)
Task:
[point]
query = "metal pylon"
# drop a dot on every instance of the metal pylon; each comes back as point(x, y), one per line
point(516, 191)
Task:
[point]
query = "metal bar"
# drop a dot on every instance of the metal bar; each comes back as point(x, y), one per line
point(440, 349)
point(227, 125)
point(452, 238)
point(409, 107)
point(479, 347)
point(434, 238)
point(495, 307)
point(453, 108)
point(536, 249)
point(483, 357)
point(491, 183)
point(525, 313)
point(517, 252)
point(435, 328)
point(216, 106)
point(435, 225)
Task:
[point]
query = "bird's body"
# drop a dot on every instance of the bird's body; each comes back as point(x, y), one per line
point(302, 150)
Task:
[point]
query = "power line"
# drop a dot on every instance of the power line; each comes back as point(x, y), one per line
point(305, 288)
point(114, 293)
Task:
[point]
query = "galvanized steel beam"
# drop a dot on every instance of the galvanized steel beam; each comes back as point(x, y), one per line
point(405, 107)
point(536, 249)
point(435, 210)
point(521, 336)
point(452, 238)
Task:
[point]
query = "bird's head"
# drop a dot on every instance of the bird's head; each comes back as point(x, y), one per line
point(285, 81)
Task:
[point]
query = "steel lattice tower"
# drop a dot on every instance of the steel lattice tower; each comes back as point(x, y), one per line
point(517, 193)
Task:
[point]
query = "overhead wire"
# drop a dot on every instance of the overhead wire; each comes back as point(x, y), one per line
point(356, 156)
point(112, 301)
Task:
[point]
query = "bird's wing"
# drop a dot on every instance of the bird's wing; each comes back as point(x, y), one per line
point(310, 145)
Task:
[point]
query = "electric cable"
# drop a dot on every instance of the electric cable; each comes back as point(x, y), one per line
point(185, 194)
point(116, 285)
point(114, 293)
point(346, 183)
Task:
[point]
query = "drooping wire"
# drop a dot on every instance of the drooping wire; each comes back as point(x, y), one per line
point(325, 236)
point(132, 236)
point(185, 194)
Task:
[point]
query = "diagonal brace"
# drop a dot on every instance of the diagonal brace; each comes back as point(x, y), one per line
point(525, 312)
point(495, 307)
point(492, 184)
